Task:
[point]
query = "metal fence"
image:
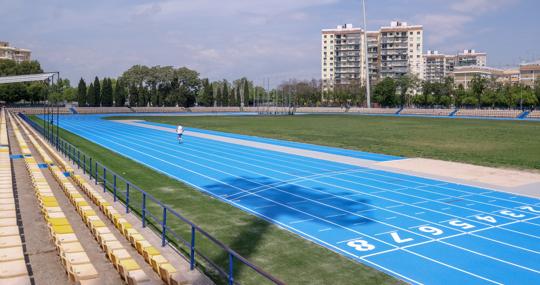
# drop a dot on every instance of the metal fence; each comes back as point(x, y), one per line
point(187, 238)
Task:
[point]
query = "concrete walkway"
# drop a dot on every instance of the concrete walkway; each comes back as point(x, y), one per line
point(259, 145)
point(506, 180)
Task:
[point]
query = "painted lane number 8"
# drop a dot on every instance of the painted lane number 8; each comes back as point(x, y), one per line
point(361, 245)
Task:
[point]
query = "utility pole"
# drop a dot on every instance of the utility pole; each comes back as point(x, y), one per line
point(368, 95)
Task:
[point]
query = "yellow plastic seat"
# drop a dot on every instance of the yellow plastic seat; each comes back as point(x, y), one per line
point(63, 229)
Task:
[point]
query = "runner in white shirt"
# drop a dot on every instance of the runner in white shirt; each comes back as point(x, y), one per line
point(180, 132)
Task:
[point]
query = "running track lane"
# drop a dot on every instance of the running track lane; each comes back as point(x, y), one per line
point(423, 231)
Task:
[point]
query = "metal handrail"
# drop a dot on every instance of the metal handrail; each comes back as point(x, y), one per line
point(74, 154)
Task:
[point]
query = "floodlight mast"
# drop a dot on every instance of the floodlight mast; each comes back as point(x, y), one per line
point(368, 95)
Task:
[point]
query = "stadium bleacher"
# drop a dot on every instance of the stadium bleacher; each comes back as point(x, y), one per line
point(534, 114)
point(101, 110)
point(13, 268)
point(488, 113)
point(426, 112)
point(74, 187)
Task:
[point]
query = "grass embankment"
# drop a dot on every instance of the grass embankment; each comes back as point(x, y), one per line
point(509, 144)
point(292, 259)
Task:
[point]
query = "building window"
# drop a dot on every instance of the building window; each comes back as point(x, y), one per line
point(418, 32)
point(325, 36)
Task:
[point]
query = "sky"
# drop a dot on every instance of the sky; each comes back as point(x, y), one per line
point(275, 39)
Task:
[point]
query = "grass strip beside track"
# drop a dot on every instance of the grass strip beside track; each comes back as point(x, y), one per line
point(292, 259)
point(499, 143)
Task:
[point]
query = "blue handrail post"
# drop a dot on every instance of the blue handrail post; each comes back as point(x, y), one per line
point(231, 267)
point(127, 198)
point(84, 163)
point(78, 159)
point(97, 173)
point(104, 179)
point(144, 210)
point(69, 152)
point(114, 187)
point(164, 227)
point(192, 255)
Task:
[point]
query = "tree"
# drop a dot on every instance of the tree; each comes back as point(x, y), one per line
point(91, 98)
point(119, 93)
point(81, 93)
point(225, 93)
point(537, 90)
point(385, 92)
point(478, 85)
point(404, 84)
point(28, 91)
point(97, 93)
point(107, 93)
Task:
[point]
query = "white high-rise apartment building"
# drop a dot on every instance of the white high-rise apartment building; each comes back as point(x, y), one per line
point(401, 49)
point(393, 51)
point(342, 56)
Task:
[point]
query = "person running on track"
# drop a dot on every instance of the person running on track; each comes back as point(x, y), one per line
point(179, 132)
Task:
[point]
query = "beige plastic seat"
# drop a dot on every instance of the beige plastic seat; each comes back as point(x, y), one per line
point(13, 268)
point(11, 253)
point(10, 241)
point(80, 272)
point(9, 231)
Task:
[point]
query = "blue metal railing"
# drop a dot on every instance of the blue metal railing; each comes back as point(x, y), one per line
point(153, 212)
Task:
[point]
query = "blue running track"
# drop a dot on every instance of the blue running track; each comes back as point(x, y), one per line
point(423, 231)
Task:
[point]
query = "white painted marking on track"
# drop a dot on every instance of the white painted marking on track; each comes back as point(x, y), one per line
point(395, 206)
point(262, 207)
point(419, 213)
point(366, 210)
point(390, 218)
point(360, 223)
point(425, 225)
point(388, 232)
point(336, 215)
point(470, 204)
point(324, 230)
point(300, 221)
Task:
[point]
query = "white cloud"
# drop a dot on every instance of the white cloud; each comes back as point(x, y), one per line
point(443, 27)
point(480, 6)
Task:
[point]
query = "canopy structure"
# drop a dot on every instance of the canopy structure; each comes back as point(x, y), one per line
point(28, 77)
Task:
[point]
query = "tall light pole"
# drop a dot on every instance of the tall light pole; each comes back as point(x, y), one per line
point(368, 95)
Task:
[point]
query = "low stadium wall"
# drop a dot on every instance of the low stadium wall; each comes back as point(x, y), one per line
point(495, 113)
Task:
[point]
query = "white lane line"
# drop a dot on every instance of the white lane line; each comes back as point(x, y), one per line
point(388, 232)
point(446, 208)
point(326, 229)
point(336, 215)
point(300, 221)
point(390, 218)
point(266, 206)
point(395, 206)
point(419, 213)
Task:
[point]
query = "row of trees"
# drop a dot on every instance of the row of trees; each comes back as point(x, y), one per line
point(168, 86)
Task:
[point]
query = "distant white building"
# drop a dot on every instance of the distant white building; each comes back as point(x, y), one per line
point(12, 53)
point(392, 51)
point(437, 66)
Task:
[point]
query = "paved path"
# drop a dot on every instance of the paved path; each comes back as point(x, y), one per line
point(259, 145)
